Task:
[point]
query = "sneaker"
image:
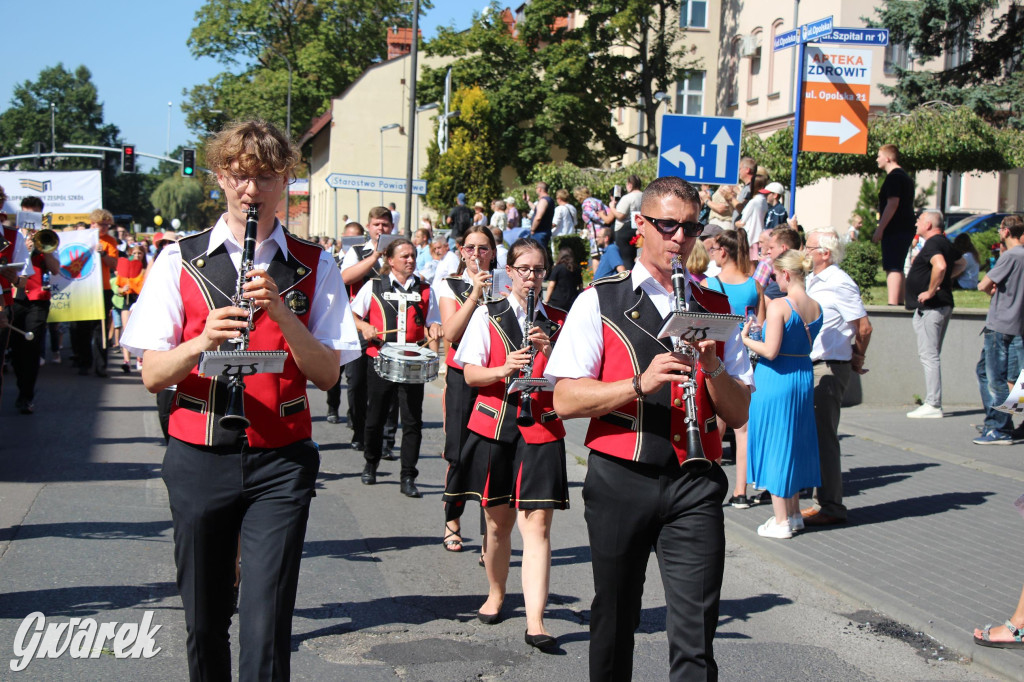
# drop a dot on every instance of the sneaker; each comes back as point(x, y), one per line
point(993, 437)
point(739, 501)
point(772, 529)
point(42, 361)
point(796, 523)
point(764, 498)
point(55, 359)
point(926, 411)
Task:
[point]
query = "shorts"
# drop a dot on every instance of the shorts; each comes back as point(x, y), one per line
point(895, 244)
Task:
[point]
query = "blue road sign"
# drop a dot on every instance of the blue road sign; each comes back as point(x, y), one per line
point(879, 37)
point(815, 30)
point(700, 148)
point(787, 39)
point(374, 183)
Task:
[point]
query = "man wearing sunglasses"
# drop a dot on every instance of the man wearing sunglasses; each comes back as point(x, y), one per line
point(636, 495)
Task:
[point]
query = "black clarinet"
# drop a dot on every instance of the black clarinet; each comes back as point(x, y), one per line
point(234, 418)
point(525, 417)
point(696, 461)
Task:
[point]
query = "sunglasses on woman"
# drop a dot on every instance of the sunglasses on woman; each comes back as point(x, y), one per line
point(668, 226)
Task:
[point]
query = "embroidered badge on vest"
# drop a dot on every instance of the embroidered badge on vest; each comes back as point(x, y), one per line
point(297, 301)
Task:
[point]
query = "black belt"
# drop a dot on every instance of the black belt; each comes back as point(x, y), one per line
point(831, 362)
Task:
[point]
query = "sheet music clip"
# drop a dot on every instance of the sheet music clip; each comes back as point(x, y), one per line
point(531, 385)
point(245, 362)
point(695, 327)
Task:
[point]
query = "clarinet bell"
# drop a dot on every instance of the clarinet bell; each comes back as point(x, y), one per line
point(234, 416)
point(695, 461)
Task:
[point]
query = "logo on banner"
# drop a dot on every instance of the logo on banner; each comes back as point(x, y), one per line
point(76, 261)
point(37, 185)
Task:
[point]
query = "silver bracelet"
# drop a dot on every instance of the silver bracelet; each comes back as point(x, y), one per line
point(712, 375)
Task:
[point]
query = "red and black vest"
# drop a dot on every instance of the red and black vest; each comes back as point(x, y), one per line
point(7, 256)
point(33, 289)
point(462, 289)
point(652, 430)
point(275, 404)
point(383, 313)
point(363, 252)
point(495, 412)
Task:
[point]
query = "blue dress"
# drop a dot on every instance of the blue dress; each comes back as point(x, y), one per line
point(741, 296)
point(782, 450)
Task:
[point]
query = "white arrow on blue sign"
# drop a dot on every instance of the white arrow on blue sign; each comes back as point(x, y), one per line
point(700, 148)
point(878, 37)
point(374, 184)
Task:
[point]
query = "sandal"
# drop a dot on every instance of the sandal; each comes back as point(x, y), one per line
point(451, 545)
point(1016, 633)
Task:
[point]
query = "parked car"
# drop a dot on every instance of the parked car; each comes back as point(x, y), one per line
point(972, 224)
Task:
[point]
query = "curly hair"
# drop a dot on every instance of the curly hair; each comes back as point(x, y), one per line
point(256, 146)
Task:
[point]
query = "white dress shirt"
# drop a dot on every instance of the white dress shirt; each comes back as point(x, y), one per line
point(22, 255)
point(361, 303)
point(157, 318)
point(841, 306)
point(581, 347)
point(355, 255)
point(448, 265)
point(475, 346)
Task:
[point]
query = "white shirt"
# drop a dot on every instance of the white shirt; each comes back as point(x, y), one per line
point(753, 217)
point(355, 255)
point(502, 256)
point(158, 317)
point(448, 265)
point(361, 303)
point(629, 205)
point(841, 306)
point(564, 221)
point(475, 346)
point(22, 255)
point(581, 344)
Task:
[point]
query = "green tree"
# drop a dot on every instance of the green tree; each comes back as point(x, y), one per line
point(182, 198)
point(78, 118)
point(329, 44)
point(985, 40)
point(468, 165)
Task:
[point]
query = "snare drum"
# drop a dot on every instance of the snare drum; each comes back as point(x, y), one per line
point(406, 364)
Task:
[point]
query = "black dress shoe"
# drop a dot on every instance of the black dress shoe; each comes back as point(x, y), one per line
point(332, 417)
point(409, 487)
point(102, 373)
point(369, 476)
point(488, 618)
point(540, 641)
point(358, 445)
point(388, 453)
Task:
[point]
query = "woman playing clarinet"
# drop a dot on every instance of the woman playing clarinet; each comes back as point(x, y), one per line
point(514, 468)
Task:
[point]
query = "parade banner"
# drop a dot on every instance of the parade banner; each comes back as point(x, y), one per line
point(61, 191)
point(77, 291)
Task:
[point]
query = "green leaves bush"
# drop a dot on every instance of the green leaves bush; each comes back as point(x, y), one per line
point(861, 263)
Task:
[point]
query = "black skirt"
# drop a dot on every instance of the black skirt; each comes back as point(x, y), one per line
point(518, 474)
point(458, 402)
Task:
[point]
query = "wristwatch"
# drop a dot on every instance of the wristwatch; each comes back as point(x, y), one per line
point(712, 375)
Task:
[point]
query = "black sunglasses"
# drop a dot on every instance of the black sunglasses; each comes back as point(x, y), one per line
point(668, 226)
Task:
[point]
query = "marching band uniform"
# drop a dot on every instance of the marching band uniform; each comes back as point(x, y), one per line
point(31, 307)
point(373, 305)
point(255, 484)
point(636, 494)
point(14, 252)
point(501, 462)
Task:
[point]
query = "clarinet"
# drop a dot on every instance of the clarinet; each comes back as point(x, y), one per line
point(234, 416)
point(695, 461)
point(525, 417)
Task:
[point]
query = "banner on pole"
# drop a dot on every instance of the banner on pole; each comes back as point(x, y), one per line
point(61, 191)
point(77, 290)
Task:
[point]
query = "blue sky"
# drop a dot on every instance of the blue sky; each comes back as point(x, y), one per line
point(137, 54)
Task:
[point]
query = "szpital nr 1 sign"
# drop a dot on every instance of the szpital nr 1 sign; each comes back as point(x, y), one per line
point(837, 90)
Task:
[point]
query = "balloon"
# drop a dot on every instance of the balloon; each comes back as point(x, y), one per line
point(158, 221)
point(175, 223)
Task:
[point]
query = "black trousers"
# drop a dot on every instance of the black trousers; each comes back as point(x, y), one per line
point(630, 508)
point(29, 316)
point(218, 498)
point(381, 397)
point(5, 334)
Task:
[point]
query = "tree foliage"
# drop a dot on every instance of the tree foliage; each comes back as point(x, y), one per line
point(329, 44)
point(182, 198)
point(555, 86)
point(990, 35)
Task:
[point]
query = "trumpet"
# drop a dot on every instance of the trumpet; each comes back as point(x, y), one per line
point(45, 240)
point(525, 417)
point(696, 461)
point(234, 418)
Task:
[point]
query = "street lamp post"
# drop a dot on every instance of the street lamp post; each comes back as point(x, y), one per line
point(167, 150)
point(390, 126)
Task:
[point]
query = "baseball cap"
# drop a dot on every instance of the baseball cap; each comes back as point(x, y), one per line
point(711, 230)
point(462, 197)
point(774, 188)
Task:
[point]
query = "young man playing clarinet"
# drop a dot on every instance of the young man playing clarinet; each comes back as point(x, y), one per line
point(637, 493)
point(250, 487)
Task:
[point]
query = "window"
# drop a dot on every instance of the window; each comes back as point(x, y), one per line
point(958, 50)
point(896, 56)
point(753, 51)
point(690, 95)
point(693, 14)
point(776, 29)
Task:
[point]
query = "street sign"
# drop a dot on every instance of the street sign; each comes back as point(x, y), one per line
point(787, 39)
point(374, 184)
point(836, 96)
point(815, 30)
point(879, 37)
point(700, 148)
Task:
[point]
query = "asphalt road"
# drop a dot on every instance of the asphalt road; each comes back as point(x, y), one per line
point(85, 533)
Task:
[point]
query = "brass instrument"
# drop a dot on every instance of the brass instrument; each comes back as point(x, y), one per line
point(695, 461)
point(45, 240)
point(234, 416)
point(525, 417)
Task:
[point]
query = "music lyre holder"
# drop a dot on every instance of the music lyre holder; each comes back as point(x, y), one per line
point(241, 363)
point(530, 384)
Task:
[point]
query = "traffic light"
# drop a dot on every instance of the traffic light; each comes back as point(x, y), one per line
point(188, 163)
point(127, 158)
